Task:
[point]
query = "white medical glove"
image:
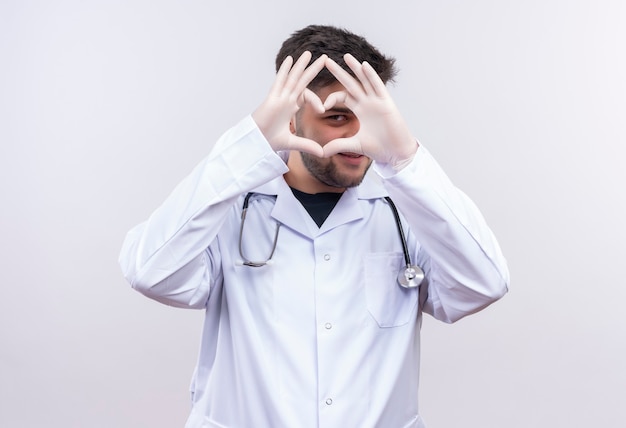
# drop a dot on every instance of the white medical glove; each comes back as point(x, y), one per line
point(287, 95)
point(383, 134)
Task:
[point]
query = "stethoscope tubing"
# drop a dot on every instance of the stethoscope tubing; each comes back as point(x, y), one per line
point(410, 277)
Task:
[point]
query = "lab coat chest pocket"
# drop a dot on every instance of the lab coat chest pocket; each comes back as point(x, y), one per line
point(390, 304)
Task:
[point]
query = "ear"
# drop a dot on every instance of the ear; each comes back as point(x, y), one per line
point(292, 125)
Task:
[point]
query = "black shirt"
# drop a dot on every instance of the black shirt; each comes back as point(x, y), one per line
point(319, 206)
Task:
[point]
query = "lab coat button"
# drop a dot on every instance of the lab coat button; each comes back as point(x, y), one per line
point(328, 326)
point(327, 257)
point(329, 401)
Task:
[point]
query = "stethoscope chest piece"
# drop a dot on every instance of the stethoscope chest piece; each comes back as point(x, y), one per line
point(411, 276)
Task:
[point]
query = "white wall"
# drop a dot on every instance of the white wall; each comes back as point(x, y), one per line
point(105, 105)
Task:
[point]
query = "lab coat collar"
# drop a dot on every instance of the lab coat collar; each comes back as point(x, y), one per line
point(290, 212)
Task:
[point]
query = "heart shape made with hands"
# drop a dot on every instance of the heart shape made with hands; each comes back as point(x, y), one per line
point(383, 134)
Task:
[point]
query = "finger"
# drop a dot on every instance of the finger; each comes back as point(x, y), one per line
point(343, 145)
point(377, 84)
point(281, 74)
point(297, 69)
point(358, 70)
point(335, 98)
point(311, 97)
point(350, 83)
point(310, 73)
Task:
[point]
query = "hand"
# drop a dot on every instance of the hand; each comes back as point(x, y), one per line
point(287, 95)
point(383, 135)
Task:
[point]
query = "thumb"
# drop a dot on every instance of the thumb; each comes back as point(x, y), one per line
point(305, 145)
point(343, 145)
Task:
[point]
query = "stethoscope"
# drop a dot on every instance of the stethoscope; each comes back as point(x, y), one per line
point(410, 276)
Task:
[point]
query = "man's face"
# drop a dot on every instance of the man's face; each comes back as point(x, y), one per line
point(343, 169)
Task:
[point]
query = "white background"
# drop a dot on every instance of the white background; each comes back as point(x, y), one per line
point(106, 105)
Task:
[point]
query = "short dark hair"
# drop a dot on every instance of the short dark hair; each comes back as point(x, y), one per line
point(335, 42)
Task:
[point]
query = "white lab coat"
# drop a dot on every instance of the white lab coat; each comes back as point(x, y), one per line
point(323, 336)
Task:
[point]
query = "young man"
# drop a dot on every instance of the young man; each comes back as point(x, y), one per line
point(297, 256)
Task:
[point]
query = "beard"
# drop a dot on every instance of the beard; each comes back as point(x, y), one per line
point(327, 172)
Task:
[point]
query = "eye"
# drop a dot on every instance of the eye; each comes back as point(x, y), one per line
point(337, 118)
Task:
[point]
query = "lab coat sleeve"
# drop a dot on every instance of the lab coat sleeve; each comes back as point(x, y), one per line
point(169, 257)
point(467, 269)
